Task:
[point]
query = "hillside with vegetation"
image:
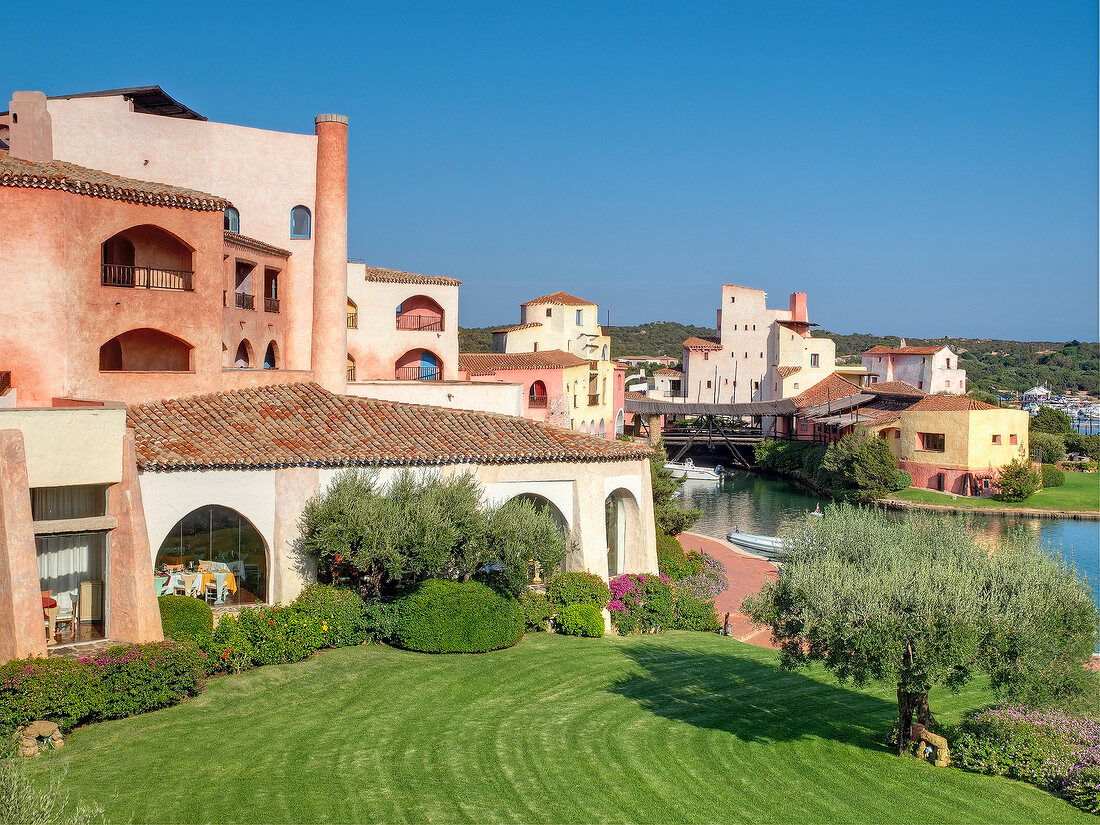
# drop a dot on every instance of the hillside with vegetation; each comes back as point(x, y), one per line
point(991, 364)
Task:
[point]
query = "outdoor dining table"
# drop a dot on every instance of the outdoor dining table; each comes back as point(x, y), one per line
point(49, 613)
point(207, 578)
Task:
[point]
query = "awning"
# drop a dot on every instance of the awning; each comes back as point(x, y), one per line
point(784, 406)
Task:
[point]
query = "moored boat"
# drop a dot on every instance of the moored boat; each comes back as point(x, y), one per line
point(765, 545)
point(687, 469)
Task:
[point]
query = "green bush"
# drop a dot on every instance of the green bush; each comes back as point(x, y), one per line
point(232, 650)
point(184, 617)
point(456, 617)
point(1017, 481)
point(578, 588)
point(140, 678)
point(1052, 476)
point(64, 691)
point(674, 562)
point(1050, 448)
point(35, 801)
point(340, 611)
point(536, 610)
point(281, 634)
point(690, 613)
point(902, 480)
point(640, 603)
point(579, 620)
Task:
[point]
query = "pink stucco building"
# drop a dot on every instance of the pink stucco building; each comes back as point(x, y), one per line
point(930, 369)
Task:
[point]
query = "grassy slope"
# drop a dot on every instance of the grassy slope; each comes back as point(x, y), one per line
point(1080, 492)
point(675, 728)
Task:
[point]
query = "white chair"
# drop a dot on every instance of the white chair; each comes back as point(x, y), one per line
point(67, 603)
point(216, 587)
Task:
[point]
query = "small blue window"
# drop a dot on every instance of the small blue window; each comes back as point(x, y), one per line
point(232, 220)
point(299, 222)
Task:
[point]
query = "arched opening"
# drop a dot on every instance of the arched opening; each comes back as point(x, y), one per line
point(623, 530)
point(147, 256)
point(574, 560)
point(604, 353)
point(592, 426)
point(232, 219)
point(419, 365)
point(243, 357)
point(620, 423)
point(353, 315)
point(420, 313)
point(536, 397)
point(225, 356)
point(300, 221)
point(584, 427)
point(351, 368)
point(271, 361)
point(145, 350)
point(210, 541)
point(603, 429)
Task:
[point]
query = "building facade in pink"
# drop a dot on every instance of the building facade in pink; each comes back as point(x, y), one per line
point(930, 369)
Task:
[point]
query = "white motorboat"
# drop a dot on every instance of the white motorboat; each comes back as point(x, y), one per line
point(687, 469)
point(765, 545)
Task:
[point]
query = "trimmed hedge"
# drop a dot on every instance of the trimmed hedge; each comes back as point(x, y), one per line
point(342, 612)
point(578, 588)
point(690, 613)
point(580, 620)
point(184, 617)
point(440, 616)
point(536, 610)
point(1052, 476)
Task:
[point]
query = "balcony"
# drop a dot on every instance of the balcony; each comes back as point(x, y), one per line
point(147, 277)
point(351, 373)
point(420, 323)
point(353, 320)
point(537, 402)
point(271, 305)
point(418, 372)
point(245, 300)
point(594, 400)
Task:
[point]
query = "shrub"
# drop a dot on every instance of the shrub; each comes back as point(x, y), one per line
point(1050, 448)
point(671, 557)
point(281, 634)
point(341, 613)
point(231, 650)
point(709, 580)
point(690, 613)
point(536, 610)
point(902, 480)
point(140, 678)
point(580, 620)
point(578, 588)
point(1017, 481)
point(57, 690)
point(24, 800)
point(456, 617)
point(184, 617)
point(640, 603)
point(1052, 476)
point(1048, 748)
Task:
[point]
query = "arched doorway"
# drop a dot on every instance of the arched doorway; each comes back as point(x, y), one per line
point(574, 560)
point(623, 531)
point(270, 357)
point(603, 429)
point(243, 358)
point(418, 365)
point(619, 423)
point(420, 313)
point(213, 539)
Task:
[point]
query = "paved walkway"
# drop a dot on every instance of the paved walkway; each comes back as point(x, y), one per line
point(746, 574)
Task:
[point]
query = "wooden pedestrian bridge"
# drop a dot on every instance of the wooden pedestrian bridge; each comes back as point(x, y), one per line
point(716, 427)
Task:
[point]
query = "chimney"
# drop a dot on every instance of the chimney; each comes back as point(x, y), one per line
point(330, 254)
point(31, 129)
point(798, 307)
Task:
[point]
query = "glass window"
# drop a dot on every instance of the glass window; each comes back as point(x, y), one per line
point(232, 220)
point(299, 222)
point(580, 317)
point(814, 359)
point(934, 442)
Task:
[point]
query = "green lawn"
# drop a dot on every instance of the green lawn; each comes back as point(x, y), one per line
point(1080, 492)
point(681, 727)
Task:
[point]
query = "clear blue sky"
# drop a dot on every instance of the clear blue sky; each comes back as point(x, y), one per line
point(918, 168)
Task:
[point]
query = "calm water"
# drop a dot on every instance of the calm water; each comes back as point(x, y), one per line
point(760, 504)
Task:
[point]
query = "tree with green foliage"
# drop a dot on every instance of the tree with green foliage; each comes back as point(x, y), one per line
point(669, 517)
point(1084, 443)
point(1047, 448)
point(424, 526)
point(924, 601)
point(860, 466)
point(1050, 420)
point(1017, 480)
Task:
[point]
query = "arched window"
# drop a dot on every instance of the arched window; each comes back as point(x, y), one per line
point(418, 365)
point(232, 220)
point(147, 256)
point(145, 350)
point(270, 360)
point(605, 353)
point(603, 429)
point(353, 315)
point(351, 368)
point(623, 534)
point(243, 358)
point(537, 396)
point(420, 313)
point(211, 540)
point(299, 222)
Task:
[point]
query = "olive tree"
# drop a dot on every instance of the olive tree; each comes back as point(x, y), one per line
point(925, 601)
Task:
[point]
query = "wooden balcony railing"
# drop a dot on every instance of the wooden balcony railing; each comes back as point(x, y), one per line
point(536, 402)
point(420, 323)
point(271, 304)
point(418, 372)
point(594, 399)
point(147, 277)
point(353, 320)
point(245, 300)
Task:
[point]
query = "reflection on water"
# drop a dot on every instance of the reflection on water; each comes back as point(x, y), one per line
point(761, 504)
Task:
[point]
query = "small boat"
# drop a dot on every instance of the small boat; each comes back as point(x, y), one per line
point(687, 469)
point(765, 545)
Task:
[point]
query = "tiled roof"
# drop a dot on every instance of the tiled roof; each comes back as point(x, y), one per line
point(696, 342)
point(828, 389)
point(68, 177)
point(667, 371)
point(393, 276)
point(635, 396)
point(880, 350)
point(252, 243)
point(518, 326)
point(949, 403)
point(296, 425)
point(895, 388)
point(486, 363)
point(559, 298)
point(787, 372)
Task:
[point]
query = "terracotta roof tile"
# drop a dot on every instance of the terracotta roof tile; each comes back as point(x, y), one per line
point(667, 371)
point(787, 372)
point(563, 298)
point(697, 342)
point(530, 325)
point(880, 350)
point(294, 425)
point(393, 276)
point(828, 389)
point(895, 388)
point(251, 243)
point(79, 180)
point(486, 363)
point(949, 403)
point(635, 396)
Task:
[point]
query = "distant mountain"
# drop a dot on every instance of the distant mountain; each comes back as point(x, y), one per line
point(1014, 366)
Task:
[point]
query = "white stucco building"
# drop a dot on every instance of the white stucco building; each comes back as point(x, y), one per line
point(930, 369)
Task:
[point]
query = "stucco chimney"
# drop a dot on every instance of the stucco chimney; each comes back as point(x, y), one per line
point(31, 129)
point(330, 254)
point(798, 307)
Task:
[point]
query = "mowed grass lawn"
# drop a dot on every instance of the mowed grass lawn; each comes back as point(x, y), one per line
point(681, 727)
point(1080, 492)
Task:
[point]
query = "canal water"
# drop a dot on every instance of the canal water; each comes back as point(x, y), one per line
point(763, 505)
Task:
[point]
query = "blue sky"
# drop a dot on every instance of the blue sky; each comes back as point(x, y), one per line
point(921, 169)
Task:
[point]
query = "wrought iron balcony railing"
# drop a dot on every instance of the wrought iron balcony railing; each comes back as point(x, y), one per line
point(147, 277)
